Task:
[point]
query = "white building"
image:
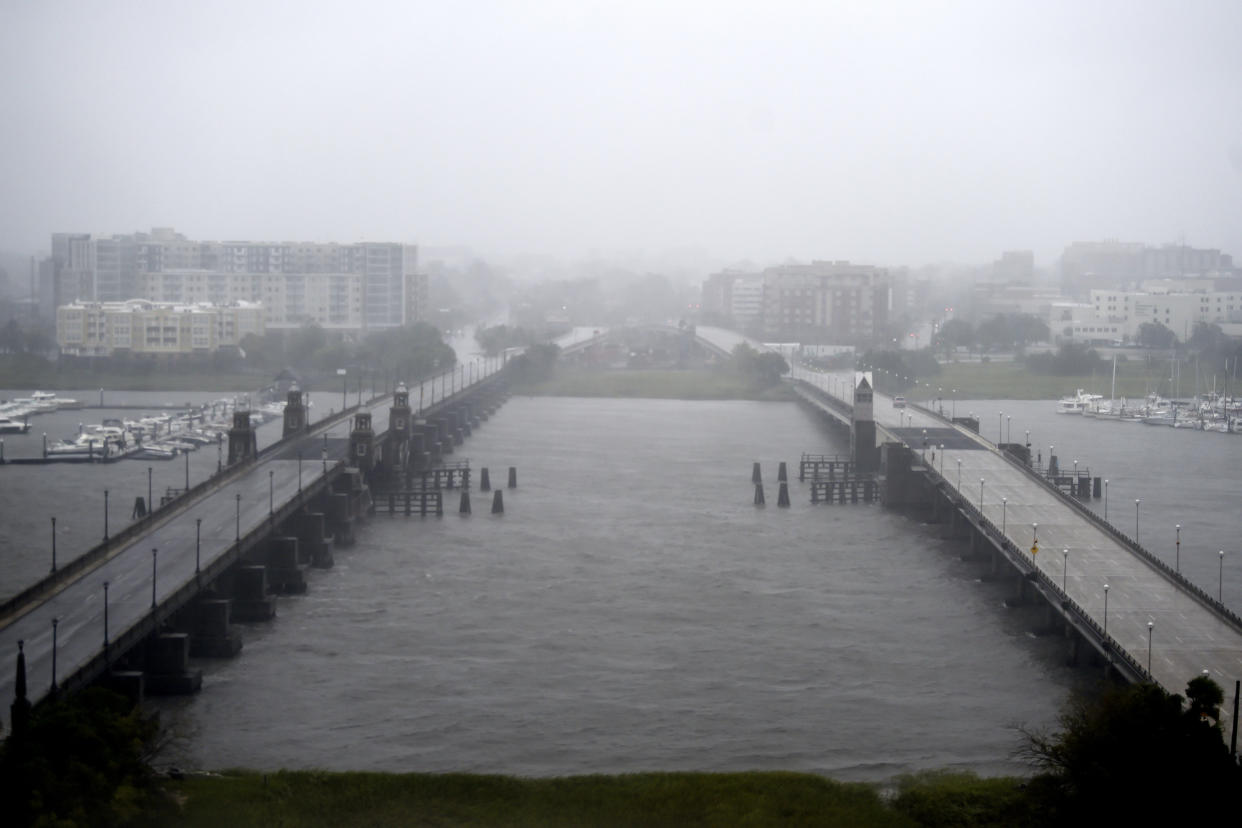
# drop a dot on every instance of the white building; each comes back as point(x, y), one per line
point(147, 328)
point(1112, 315)
point(338, 286)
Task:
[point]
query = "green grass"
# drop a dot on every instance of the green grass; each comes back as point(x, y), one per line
point(669, 384)
point(1011, 381)
point(293, 799)
point(21, 371)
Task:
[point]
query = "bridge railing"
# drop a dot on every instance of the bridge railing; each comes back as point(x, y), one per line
point(1148, 557)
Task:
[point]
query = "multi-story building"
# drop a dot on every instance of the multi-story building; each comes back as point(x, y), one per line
point(825, 302)
point(1122, 265)
point(338, 286)
point(146, 328)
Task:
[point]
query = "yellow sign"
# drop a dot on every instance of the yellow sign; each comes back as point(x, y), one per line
point(1034, 550)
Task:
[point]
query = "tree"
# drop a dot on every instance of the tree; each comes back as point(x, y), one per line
point(1155, 335)
point(954, 333)
point(1119, 749)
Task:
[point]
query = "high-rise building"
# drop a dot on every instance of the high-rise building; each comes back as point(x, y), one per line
point(826, 302)
point(338, 286)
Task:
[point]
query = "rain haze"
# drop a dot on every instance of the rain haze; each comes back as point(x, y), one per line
point(893, 133)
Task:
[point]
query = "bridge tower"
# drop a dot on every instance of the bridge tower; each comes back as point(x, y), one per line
point(243, 445)
point(362, 442)
point(862, 432)
point(400, 418)
point(295, 412)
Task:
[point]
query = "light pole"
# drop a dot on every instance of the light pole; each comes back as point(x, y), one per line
point(187, 471)
point(1150, 625)
point(53, 544)
point(1034, 534)
point(271, 492)
point(299, 472)
point(942, 459)
point(1028, 439)
point(959, 474)
point(1136, 520)
point(953, 404)
point(237, 537)
point(154, 558)
point(1177, 550)
point(1106, 611)
point(105, 515)
point(1004, 513)
point(1220, 585)
point(1000, 427)
point(1008, 427)
point(981, 497)
point(55, 623)
point(150, 502)
point(1064, 568)
point(344, 388)
point(105, 622)
point(198, 534)
point(1106, 500)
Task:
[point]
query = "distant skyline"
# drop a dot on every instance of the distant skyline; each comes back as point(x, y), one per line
point(891, 133)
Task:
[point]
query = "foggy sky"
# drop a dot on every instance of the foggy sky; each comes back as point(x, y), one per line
point(887, 133)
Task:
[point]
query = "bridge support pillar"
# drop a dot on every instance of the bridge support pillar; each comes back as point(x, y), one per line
point(248, 590)
point(285, 572)
point(167, 662)
point(210, 633)
point(314, 542)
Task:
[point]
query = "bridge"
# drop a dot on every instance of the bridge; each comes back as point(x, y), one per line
point(1101, 588)
point(133, 608)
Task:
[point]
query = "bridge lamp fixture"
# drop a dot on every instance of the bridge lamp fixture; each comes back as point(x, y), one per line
point(1150, 625)
point(981, 496)
point(1064, 567)
point(1220, 586)
point(1177, 551)
point(1004, 513)
point(1136, 520)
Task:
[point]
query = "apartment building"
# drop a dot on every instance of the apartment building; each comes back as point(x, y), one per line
point(825, 302)
point(146, 328)
point(348, 287)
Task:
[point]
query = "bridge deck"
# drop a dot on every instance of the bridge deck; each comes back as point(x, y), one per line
point(79, 605)
point(1189, 636)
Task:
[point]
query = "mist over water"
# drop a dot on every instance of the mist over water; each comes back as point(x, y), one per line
point(632, 611)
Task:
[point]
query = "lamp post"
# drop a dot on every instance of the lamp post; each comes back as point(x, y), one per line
point(105, 622)
point(1064, 568)
point(237, 537)
point(53, 544)
point(271, 492)
point(942, 459)
point(187, 471)
point(1136, 520)
point(299, 472)
point(953, 404)
point(105, 515)
point(959, 474)
point(1106, 500)
point(198, 534)
point(980, 496)
point(1177, 550)
point(1220, 585)
point(1008, 427)
point(1004, 513)
point(1150, 625)
point(1034, 534)
point(155, 553)
point(150, 502)
point(1106, 611)
point(344, 388)
point(1000, 427)
point(324, 453)
point(1028, 439)
point(55, 623)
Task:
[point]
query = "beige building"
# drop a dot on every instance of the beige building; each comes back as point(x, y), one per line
point(142, 327)
point(826, 302)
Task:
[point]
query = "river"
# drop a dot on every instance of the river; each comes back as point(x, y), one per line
point(632, 610)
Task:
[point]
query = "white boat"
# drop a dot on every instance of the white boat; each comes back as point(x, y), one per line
point(1078, 403)
point(10, 426)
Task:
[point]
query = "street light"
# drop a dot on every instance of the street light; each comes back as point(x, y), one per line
point(198, 534)
point(1106, 611)
point(1177, 550)
point(105, 622)
point(1220, 586)
point(1150, 625)
point(53, 544)
point(1000, 427)
point(105, 515)
point(237, 538)
point(1064, 568)
point(154, 559)
point(981, 497)
point(55, 622)
point(1106, 500)
point(1008, 427)
point(1034, 534)
point(271, 492)
point(1004, 513)
point(942, 459)
point(1136, 520)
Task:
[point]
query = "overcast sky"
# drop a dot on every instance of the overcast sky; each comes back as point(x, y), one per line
point(887, 133)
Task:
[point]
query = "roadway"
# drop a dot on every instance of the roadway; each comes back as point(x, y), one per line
point(1186, 637)
point(78, 606)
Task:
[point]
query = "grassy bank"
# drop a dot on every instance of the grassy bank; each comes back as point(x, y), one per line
point(1011, 381)
point(23, 372)
point(682, 385)
point(651, 799)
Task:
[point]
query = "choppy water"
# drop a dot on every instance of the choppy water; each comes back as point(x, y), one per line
point(633, 611)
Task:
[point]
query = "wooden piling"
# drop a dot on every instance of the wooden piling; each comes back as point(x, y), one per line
point(782, 474)
point(782, 496)
point(485, 482)
point(755, 476)
point(759, 494)
point(464, 509)
point(498, 502)
point(513, 477)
